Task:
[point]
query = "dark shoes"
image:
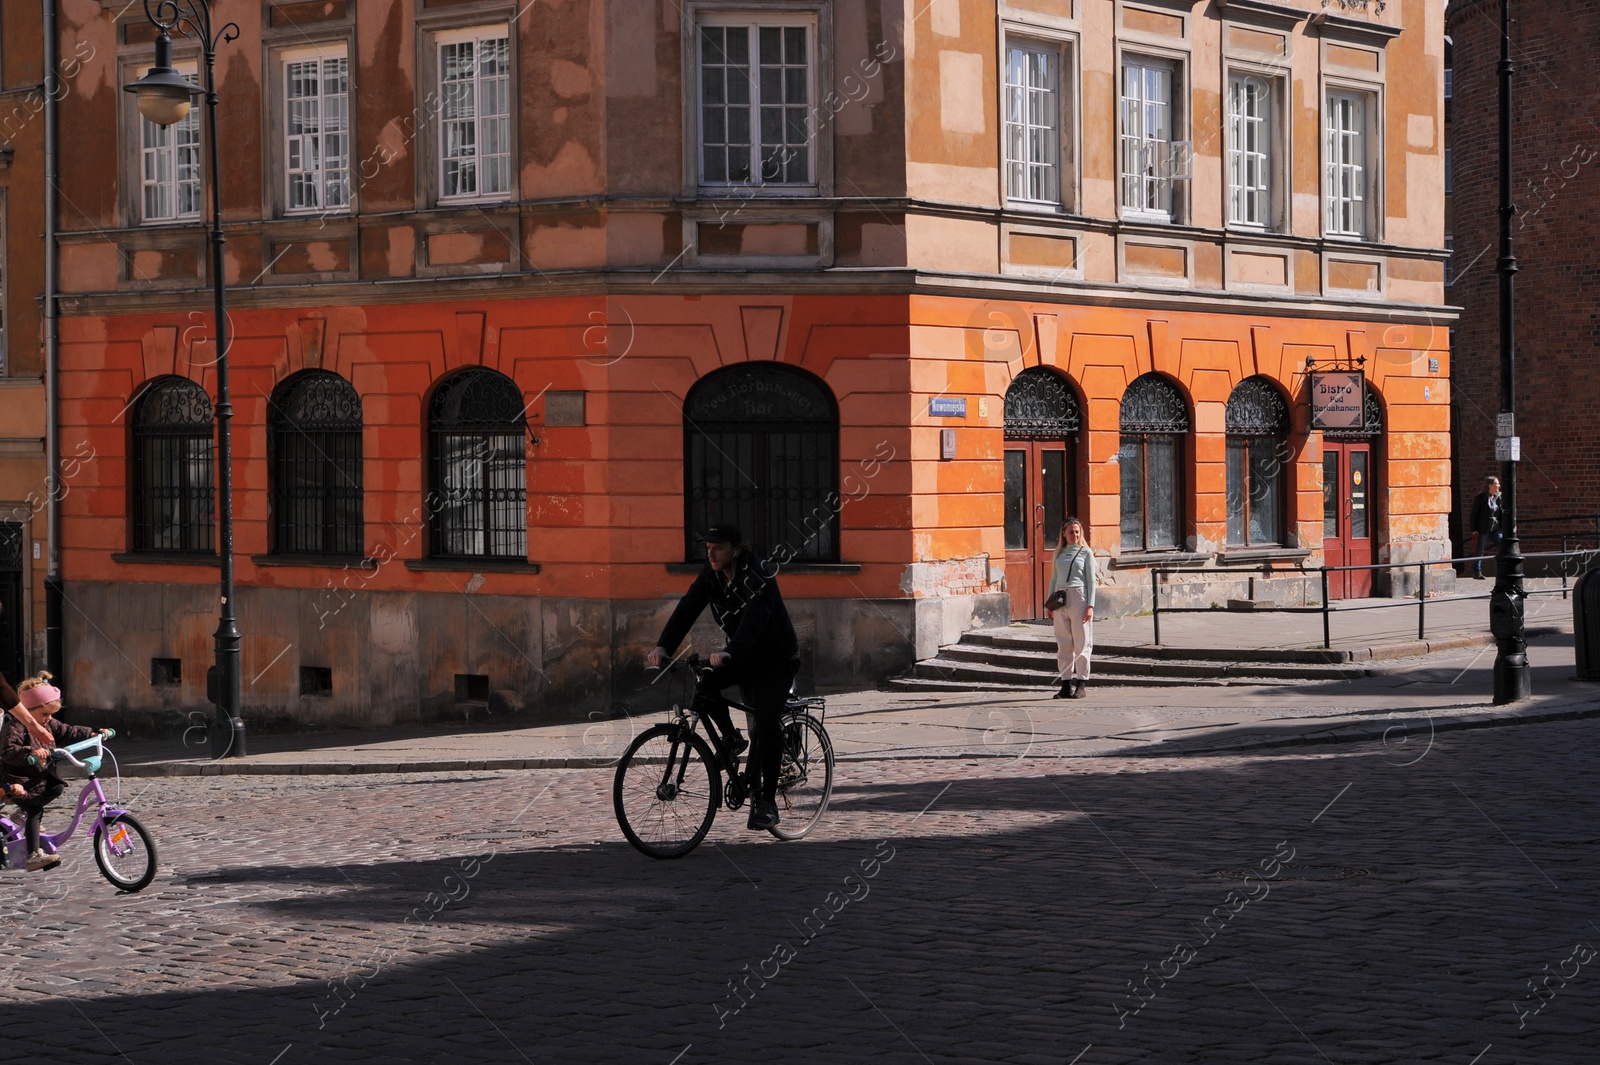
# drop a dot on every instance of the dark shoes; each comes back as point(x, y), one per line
point(763, 816)
point(1071, 688)
point(737, 744)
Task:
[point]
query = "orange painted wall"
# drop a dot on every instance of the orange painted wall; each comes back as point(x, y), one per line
point(605, 499)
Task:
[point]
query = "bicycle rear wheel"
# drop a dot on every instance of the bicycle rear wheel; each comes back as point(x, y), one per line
point(125, 852)
point(805, 781)
point(666, 792)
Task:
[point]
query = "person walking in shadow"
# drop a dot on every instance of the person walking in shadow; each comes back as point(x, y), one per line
point(1485, 523)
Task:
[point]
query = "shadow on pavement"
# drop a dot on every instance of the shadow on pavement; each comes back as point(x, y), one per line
point(1007, 918)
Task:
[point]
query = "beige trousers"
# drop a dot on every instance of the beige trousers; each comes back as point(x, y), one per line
point(1074, 637)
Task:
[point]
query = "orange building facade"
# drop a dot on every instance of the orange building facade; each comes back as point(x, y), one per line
point(522, 296)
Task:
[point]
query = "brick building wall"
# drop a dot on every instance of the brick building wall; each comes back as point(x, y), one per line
point(1556, 186)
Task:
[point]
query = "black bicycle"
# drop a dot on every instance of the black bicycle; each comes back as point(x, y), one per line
point(670, 781)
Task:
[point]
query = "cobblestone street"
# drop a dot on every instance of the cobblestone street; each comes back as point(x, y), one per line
point(1432, 899)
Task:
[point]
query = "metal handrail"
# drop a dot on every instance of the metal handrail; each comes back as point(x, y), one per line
point(1325, 608)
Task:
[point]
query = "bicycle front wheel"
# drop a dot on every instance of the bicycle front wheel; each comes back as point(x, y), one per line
point(805, 782)
point(125, 852)
point(666, 791)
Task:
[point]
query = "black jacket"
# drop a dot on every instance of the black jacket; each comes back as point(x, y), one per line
point(1485, 519)
point(748, 609)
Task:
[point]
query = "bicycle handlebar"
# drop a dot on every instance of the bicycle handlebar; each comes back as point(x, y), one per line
point(69, 752)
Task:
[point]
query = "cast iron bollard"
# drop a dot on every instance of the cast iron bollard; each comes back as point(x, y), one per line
point(1586, 624)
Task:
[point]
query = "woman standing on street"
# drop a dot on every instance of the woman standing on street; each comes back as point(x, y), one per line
point(1071, 607)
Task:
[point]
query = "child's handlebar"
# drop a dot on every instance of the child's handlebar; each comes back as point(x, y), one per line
point(69, 752)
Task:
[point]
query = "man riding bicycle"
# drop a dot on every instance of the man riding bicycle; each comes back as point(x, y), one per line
point(761, 656)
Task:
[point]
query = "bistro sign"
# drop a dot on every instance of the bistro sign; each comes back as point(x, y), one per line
point(1336, 400)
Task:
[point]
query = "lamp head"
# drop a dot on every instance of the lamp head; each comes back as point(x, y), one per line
point(165, 95)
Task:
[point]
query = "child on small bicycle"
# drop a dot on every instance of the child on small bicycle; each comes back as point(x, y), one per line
point(28, 765)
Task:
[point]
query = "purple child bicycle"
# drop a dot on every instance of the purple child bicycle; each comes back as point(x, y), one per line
point(123, 848)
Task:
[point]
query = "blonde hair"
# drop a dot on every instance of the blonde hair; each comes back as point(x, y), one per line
point(38, 680)
point(1079, 523)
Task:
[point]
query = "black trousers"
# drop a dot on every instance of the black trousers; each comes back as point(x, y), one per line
point(33, 810)
point(765, 687)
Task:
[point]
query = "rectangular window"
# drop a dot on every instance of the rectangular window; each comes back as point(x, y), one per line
point(1033, 123)
point(475, 114)
point(169, 160)
point(1150, 156)
point(757, 82)
point(1347, 164)
point(1250, 151)
point(316, 159)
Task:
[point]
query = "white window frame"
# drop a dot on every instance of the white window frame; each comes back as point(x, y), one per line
point(1255, 151)
point(1156, 196)
point(752, 22)
point(1054, 159)
point(321, 172)
point(482, 124)
point(1349, 154)
point(159, 145)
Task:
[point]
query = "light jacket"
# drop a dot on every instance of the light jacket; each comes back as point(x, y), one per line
point(1075, 569)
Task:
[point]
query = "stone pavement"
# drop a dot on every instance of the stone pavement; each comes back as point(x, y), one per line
point(1339, 904)
point(1407, 702)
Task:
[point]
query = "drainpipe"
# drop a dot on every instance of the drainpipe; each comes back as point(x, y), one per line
point(53, 588)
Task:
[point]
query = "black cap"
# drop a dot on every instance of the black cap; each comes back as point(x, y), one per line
point(722, 534)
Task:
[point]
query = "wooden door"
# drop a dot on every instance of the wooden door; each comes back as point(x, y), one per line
point(1039, 492)
point(1347, 517)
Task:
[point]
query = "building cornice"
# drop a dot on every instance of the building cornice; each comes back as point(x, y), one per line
point(843, 281)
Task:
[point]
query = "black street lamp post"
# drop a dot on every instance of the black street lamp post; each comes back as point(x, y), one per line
point(1506, 602)
point(165, 97)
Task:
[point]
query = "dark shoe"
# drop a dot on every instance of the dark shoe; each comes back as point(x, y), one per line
point(1066, 690)
point(1077, 691)
point(763, 816)
point(1477, 576)
point(737, 745)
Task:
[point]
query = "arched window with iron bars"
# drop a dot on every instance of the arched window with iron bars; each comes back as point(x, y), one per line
point(315, 431)
point(478, 430)
point(1257, 422)
point(173, 477)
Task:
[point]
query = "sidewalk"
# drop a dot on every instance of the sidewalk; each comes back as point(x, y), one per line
point(1365, 629)
point(1404, 708)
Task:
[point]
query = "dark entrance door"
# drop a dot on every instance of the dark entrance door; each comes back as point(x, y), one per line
point(11, 612)
point(1042, 422)
point(1347, 524)
point(1038, 486)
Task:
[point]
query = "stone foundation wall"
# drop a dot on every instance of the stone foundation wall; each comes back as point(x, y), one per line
point(398, 658)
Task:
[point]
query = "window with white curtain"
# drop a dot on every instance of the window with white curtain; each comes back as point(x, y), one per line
point(1346, 164)
point(1151, 156)
point(1250, 151)
point(316, 123)
point(474, 114)
point(169, 165)
point(1033, 134)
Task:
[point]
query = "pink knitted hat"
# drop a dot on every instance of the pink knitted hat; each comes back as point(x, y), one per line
point(39, 695)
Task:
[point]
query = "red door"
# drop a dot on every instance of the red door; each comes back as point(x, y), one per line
point(1347, 517)
point(1039, 488)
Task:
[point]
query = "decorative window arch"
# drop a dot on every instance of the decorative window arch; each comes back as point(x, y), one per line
point(314, 425)
point(761, 447)
point(174, 486)
point(1257, 422)
point(478, 431)
point(1040, 405)
point(1155, 420)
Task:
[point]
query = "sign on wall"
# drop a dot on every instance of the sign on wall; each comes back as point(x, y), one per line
point(1336, 400)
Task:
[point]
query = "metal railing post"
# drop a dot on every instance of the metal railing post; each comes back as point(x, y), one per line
point(1155, 603)
point(1327, 641)
point(1563, 567)
point(1422, 601)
